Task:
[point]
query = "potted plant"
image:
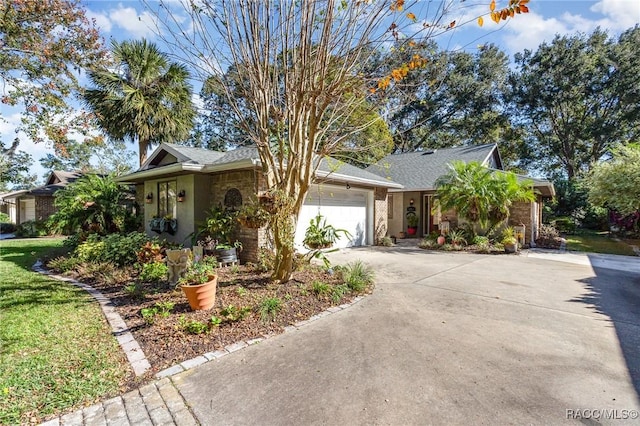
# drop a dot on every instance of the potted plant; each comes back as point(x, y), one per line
point(252, 216)
point(220, 226)
point(320, 234)
point(199, 284)
point(412, 224)
point(509, 240)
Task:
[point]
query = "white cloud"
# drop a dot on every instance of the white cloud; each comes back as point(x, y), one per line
point(528, 31)
point(138, 25)
point(102, 20)
point(621, 14)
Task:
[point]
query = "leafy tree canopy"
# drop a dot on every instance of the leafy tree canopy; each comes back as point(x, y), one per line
point(615, 183)
point(578, 97)
point(15, 168)
point(44, 45)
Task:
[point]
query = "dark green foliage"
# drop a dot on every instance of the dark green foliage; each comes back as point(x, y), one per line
point(320, 234)
point(33, 228)
point(577, 98)
point(91, 204)
point(64, 264)
point(116, 248)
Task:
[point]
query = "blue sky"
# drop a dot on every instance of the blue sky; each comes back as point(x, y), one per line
point(128, 20)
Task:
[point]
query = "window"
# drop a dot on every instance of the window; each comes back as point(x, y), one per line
point(167, 198)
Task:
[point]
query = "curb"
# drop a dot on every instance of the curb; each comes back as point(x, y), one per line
point(128, 343)
point(234, 347)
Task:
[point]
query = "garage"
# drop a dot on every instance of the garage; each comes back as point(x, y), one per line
point(350, 209)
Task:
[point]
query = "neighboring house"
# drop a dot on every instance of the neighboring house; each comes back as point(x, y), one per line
point(36, 203)
point(350, 198)
point(417, 172)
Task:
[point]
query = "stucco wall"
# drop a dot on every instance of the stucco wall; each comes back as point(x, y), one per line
point(184, 210)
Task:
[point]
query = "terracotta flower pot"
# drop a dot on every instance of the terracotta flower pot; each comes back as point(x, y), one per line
point(202, 296)
point(441, 240)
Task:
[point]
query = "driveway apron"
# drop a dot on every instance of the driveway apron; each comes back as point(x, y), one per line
point(446, 338)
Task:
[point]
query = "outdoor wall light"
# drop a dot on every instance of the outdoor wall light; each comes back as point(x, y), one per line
point(348, 186)
point(149, 198)
point(181, 195)
point(411, 201)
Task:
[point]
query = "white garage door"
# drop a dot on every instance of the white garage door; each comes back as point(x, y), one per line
point(343, 208)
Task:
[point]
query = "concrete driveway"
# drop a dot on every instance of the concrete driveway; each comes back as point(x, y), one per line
point(446, 338)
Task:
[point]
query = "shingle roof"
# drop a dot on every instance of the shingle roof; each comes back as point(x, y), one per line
point(197, 155)
point(420, 170)
point(329, 167)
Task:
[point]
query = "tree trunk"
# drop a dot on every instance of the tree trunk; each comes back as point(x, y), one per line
point(142, 148)
point(284, 234)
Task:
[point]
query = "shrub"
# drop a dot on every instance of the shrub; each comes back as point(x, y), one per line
point(7, 228)
point(123, 249)
point(269, 308)
point(565, 225)
point(428, 243)
point(479, 240)
point(457, 237)
point(4, 218)
point(63, 264)
point(150, 252)
point(153, 272)
point(357, 276)
point(91, 250)
point(32, 228)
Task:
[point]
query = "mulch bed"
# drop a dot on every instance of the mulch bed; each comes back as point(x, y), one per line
point(165, 341)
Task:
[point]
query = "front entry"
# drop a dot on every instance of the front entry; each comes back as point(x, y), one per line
point(427, 217)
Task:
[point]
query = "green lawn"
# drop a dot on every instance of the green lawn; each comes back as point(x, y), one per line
point(597, 242)
point(56, 348)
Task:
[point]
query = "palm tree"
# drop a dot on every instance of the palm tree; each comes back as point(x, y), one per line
point(480, 195)
point(146, 98)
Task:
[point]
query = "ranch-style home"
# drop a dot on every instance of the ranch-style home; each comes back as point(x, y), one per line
point(183, 182)
point(418, 172)
point(37, 203)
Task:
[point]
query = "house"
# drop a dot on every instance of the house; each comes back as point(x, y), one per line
point(417, 172)
point(184, 182)
point(36, 203)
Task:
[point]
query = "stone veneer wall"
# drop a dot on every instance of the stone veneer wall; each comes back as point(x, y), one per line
point(380, 214)
point(44, 207)
point(519, 214)
point(248, 182)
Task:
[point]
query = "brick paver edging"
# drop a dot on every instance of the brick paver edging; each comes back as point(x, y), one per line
point(123, 335)
point(210, 356)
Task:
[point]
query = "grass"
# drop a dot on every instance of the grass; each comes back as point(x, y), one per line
point(56, 349)
point(597, 242)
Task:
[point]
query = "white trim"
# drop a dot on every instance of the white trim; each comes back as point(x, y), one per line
point(354, 179)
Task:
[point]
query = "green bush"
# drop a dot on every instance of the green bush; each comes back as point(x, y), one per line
point(565, 225)
point(63, 264)
point(4, 218)
point(7, 228)
point(153, 272)
point(32, 228)
point(320, 288)
point(123, 249)
point(357, 276)
point(479, 240)
point(91, 250)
